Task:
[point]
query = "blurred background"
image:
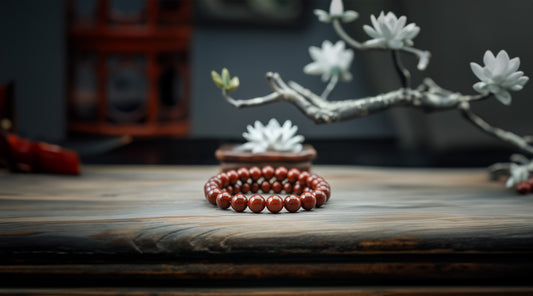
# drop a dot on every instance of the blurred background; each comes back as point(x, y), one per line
point(128, 81)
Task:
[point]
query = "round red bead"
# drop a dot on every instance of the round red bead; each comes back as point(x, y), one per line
point(303, 177)
point(326, 190)
point(268, 172)
point(292, 203)
point(297, 188)
point(256, 203)
point(239, 202)
point(223, 179)
point(233, 176)
point(212, 195)
point(254, 188)
point(277, 187)
point(229, 189)
point(244, 174)
point(236, 188)
point(280, 173)
point(315, 182)
point(265, 186)
point(310, 179)
point(274, 203)
point(320, 198)
point(224, 200)
point(523, 187)
point(293, 174)
point(308, 201)
point(245, 188)
point(287, 187)
point(255, 173)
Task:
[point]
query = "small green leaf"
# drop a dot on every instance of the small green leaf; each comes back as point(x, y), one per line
point(224, 81)
point(225, 76)
point(217, 79)
point(233, 84)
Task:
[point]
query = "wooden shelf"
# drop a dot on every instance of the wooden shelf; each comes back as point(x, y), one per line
point(126, 58)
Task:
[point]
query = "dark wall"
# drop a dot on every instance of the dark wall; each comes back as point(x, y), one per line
point(33, 55)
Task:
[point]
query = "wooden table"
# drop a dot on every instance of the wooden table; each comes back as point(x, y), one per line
point(149, 230)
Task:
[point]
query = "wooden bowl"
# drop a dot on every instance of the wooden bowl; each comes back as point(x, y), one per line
point(231, 159)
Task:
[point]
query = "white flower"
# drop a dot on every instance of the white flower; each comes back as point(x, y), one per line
point(330, 60)
point(519, 173)
point(499, 76)
point(336, 11)
point(390, 32)
point(272, 137)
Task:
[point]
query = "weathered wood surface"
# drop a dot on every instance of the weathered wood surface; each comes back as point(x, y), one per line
point(380, 225)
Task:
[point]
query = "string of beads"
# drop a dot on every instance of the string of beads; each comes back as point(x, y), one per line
point(305, 190)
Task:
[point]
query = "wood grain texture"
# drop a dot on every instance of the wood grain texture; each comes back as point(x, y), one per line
point(273, 291)
point(380, 225)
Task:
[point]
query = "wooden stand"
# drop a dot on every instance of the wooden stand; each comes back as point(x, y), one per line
point(231, 159)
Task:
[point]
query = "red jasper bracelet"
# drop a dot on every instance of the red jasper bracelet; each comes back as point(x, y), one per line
point(305, 190)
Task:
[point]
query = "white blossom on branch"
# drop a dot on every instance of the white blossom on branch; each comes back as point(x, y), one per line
point(330, 60)
point(336, 11)
point(499, 76)
point(390, 32)
point(518, 173)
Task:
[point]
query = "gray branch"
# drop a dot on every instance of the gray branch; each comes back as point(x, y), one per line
point(428, 96)
point(506, 136)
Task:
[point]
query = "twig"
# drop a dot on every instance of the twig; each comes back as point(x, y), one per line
point(405, 76)
point(331, 85)
point(506, 136)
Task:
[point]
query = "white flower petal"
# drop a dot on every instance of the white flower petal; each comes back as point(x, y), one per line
point(400, 23)
point(377, 43)
point(489, 59)
point(504, 97)
point(411, 31)
point(500, 65)
point(336, 7)
point(493, 88)
point(513, 65)
point(480, 87)
point(315, 52)
point(370, 31)
point(313, 68)
point(297, 148)
point(375, 22)
point(478, 71)
point(349, 16)
point(322, 15)
point(523, 80)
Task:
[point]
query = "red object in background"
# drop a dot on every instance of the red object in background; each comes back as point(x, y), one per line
point(21, 155)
